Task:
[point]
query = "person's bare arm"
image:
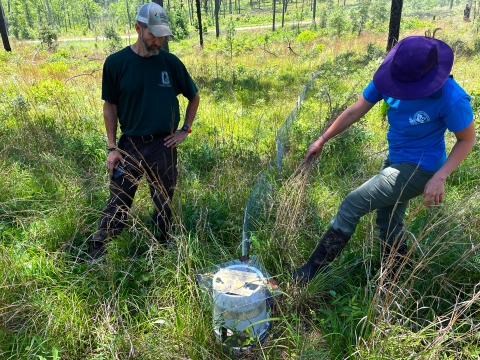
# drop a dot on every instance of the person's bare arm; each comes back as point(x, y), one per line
point(178, 136)
point(351, 115)
point(110, 115)
point(191, 110)
point(435, 187)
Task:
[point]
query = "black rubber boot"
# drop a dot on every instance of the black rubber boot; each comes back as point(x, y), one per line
point(326, 251)
point(98, 244)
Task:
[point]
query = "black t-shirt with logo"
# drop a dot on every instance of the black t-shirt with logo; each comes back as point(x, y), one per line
point(145, 90)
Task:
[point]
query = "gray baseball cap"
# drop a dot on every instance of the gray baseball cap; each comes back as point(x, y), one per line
point(156, 19)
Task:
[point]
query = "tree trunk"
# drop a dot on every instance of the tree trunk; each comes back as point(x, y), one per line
point(28, 15)
point(451, 4)
point(217, 11)
point(49, 14)
point(314, 9)
point(199, 17)
point(128, 15)
point(394, 27)
point(165, 41)
point(274, 9)
point(65, 15)
point(283, 12)
point(466, 12)
point(3, 30)
point(212, 8)
point(191, 10)
point(87, 16)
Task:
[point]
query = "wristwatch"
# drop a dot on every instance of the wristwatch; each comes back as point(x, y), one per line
point(186, 128)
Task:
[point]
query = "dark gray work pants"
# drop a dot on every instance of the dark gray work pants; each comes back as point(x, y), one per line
point(144, 156)
point(389, 193)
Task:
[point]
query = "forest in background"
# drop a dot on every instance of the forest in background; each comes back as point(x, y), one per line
point(28, 18)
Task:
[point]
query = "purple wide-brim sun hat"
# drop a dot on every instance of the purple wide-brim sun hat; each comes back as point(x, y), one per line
point(416, 67)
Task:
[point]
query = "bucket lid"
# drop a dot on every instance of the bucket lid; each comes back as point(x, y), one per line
point(238, 280)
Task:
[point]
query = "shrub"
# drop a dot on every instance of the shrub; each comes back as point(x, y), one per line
point(476, 46)
point(48, 36)
point(374, 51)
point(179, 24)
point(306, 36)
point(114, 40)
point(19, 27)
point(337, 20)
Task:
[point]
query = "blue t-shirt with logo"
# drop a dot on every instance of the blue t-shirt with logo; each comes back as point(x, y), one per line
point(416, 132)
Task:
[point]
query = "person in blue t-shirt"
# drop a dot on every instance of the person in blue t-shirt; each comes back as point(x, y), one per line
point(423, 102)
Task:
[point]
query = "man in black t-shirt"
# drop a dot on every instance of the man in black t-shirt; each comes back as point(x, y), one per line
point(139, 88)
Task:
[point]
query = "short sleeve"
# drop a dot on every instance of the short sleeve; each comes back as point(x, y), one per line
point(372, 94)
point(109, 85)
point(459, 115)
point(187, 85)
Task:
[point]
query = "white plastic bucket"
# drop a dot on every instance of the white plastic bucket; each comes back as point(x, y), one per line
point(240, 300)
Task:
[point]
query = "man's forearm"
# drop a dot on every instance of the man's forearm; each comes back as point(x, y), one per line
point(111, 121)
point(191, 110)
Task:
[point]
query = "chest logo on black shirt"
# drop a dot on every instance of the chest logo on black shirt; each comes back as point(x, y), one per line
point(165, 80)
point(420, 117)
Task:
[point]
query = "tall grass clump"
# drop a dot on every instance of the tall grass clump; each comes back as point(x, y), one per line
point(143, 301)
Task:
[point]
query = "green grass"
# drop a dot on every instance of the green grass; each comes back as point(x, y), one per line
point(144, 302)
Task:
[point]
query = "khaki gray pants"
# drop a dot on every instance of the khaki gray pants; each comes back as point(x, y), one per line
point(388, 193)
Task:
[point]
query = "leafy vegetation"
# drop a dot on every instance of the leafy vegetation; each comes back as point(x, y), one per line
point(143, 302)
point(69, 18)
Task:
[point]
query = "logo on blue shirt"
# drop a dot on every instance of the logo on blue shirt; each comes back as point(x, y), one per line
point(420, 117)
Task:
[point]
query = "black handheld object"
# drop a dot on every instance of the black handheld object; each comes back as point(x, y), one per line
point(118, 170)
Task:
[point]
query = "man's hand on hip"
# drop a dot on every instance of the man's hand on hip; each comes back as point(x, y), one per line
point(176, 138)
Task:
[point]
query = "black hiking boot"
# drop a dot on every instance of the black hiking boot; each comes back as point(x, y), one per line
point(98, 245)
point(326, 251)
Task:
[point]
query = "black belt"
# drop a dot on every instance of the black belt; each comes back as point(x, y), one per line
point(147, 138)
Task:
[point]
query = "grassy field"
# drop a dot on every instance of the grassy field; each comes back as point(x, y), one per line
point(143, 302)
